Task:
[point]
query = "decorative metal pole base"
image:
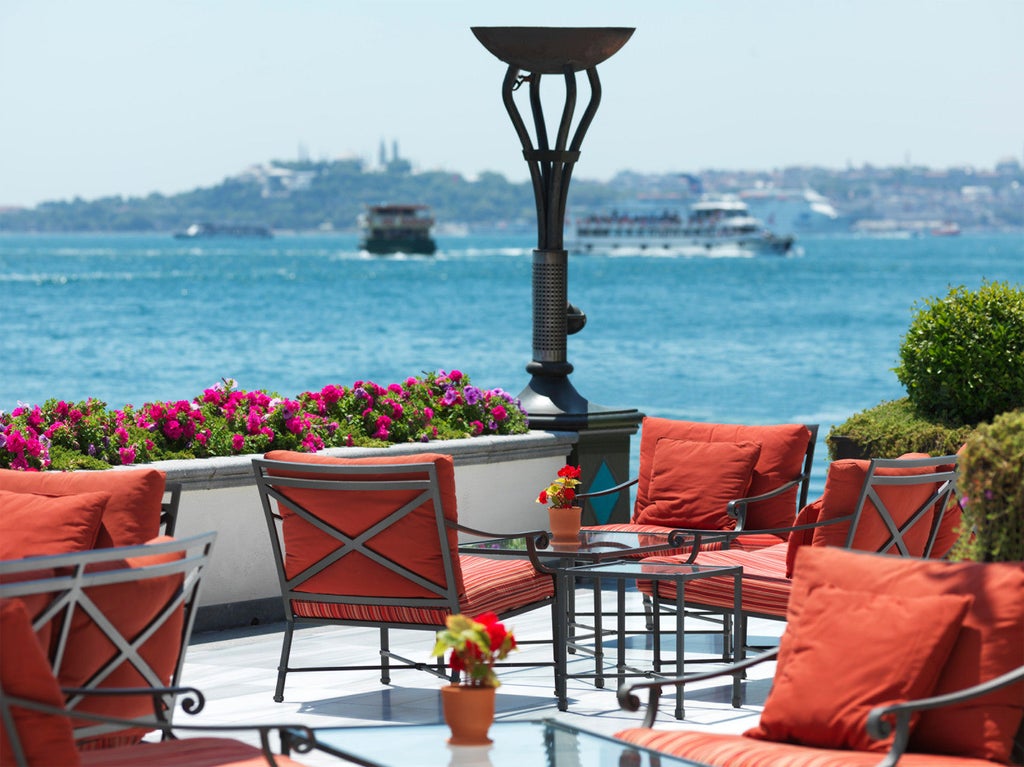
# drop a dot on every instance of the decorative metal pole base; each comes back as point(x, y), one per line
point(550, 399)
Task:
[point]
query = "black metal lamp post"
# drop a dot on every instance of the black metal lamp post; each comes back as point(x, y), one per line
point(550, 399)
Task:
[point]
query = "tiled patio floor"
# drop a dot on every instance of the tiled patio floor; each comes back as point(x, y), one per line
point(236, 670)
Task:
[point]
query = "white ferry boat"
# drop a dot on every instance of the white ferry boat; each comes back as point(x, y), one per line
point(715, 226)
point(397, 229)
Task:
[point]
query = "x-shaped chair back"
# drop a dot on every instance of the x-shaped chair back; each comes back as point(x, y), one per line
point(361, 534)
point(901, 505)
point(113, 618)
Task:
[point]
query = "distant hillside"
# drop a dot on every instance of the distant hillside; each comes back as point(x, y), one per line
point(301, 196)
point(305, 196)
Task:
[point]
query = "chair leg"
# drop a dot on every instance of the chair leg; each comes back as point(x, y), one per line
point(282, 667)
point(385, 656)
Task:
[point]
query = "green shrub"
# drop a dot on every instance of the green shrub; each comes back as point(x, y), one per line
point(962, 359)
point(893, 428)
point(991, 485)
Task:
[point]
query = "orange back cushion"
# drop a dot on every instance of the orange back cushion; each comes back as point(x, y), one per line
point(132, 516)
point(843, 487)
point(692, 483)
point(25, 672)
point(32, 524)
point(873, 648)
point(990, 641)
point(413, 541)
point(131, 608)
point(783, 448)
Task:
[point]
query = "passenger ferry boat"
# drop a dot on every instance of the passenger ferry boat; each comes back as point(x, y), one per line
point(715, 226)
point(397, 229)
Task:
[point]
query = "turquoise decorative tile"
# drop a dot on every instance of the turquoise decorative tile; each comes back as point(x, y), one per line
point(603, 505)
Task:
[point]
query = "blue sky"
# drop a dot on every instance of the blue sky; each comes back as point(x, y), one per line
point(130, 97)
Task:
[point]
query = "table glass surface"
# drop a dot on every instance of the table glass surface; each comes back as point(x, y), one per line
point(655, 570)
point(592, 546)
point(543, 743)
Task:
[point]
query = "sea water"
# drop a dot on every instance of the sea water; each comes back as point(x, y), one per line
point(811, 337)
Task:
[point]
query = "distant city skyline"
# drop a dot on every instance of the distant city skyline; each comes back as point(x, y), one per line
point(117, 97)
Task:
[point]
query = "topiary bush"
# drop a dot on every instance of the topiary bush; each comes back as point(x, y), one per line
point(962, 359)
point(991, 486)
point(893, 428)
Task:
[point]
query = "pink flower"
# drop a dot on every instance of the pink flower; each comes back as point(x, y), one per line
point(127, 455)
point(237, 442)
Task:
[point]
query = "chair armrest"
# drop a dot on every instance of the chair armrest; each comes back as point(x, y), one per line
point(737, 508)
point(883, 720)
point(609, 490)
point(630, 701)
point(292, 736)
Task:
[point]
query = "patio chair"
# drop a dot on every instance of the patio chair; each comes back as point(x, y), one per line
point(716, 477)
point(374, 542)
point(110, 619)
point(884, 660)
point(887, 506)
point(36, 723)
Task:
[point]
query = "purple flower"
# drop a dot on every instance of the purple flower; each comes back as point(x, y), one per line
point(451, 396)
point(473, 395)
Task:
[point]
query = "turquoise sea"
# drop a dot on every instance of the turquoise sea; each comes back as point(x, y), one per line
point(811, 337)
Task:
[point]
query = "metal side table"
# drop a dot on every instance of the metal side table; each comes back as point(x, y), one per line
point(679, 574)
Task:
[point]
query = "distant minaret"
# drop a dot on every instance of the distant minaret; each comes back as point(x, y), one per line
point(394, 150)
point(383, 156)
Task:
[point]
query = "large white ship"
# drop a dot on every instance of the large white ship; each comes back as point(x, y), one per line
point(794, 211)
point(716, 225)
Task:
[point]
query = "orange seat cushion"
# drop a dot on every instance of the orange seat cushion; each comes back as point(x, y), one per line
point(874, 649)
point(187, 752)
point(765, 585)
point(33, 525)
point(414, 540)
point(131, 607)
point(990, 642)
point(724, 750)
point(492, 585)
point(25, 673)
point(692, 483)
point(132, 516)
point(783, 448)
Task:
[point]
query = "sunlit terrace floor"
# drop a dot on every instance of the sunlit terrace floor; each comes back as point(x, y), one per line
point(236, 670)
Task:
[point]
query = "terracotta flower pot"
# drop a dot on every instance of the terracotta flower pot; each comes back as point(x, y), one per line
point(468, 712)
point(565, 524)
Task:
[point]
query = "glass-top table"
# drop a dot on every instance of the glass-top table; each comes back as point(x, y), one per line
point(544, 743)
point(591, 546)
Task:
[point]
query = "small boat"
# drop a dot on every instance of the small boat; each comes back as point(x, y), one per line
point(716, 225)
point(196, 231)
point(946, 229)
point(397, 229)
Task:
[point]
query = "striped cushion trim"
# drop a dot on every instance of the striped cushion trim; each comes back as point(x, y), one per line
point(723, 750)
point(765, 585)
point(222, 752)
point(492, 585)
point(751, 542)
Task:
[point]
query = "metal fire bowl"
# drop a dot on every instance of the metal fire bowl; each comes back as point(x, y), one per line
point(547, 50)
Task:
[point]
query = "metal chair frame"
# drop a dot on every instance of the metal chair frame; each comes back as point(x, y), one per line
point(68, 578)
point(273, 478)
point(940, 471)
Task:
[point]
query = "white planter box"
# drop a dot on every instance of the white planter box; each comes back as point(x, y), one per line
point(497, 481)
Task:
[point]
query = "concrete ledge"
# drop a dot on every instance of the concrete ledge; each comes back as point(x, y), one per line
point(236, 470)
